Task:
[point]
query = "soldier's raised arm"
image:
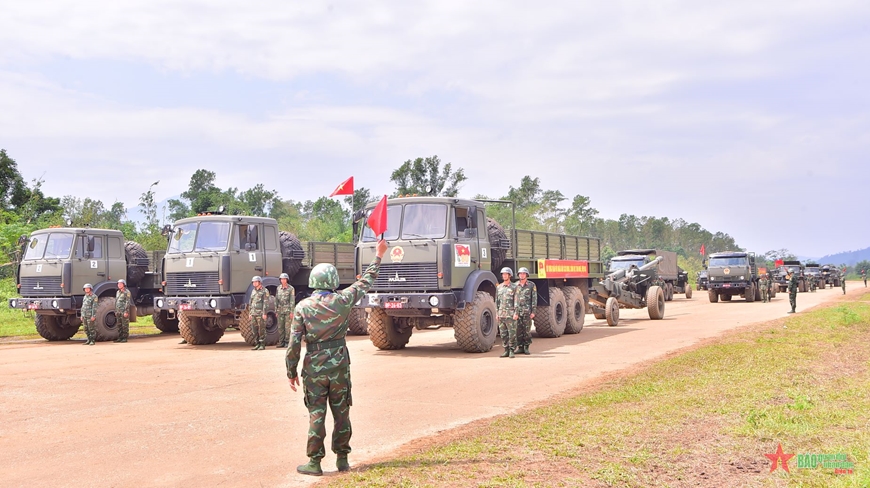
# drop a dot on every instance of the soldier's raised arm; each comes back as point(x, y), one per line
point(354, 292)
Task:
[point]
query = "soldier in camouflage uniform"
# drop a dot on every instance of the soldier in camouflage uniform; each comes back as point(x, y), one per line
point(122, 311)
point(321, 320)
point(792, 281)
point(527, 299)
point(843, 281)
point(257, 312)
point(864, 277)
point(506, 304)
point(89, 314)
point(764, 286)
point(285, 300)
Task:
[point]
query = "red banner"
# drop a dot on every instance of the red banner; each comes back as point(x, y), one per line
point(778, 263)
point(558, 268)
point(378, 219)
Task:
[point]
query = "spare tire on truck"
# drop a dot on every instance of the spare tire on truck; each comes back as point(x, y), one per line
point(496, 233)
point(135, 254)
point(291, 253)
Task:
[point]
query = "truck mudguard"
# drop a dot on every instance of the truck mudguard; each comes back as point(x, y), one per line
point(474, 281)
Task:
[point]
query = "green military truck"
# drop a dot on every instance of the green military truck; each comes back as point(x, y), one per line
point(54, 265)
point(730, 274)
point(443, 267)
point(813, 273)
point(782, 272)
point(831, 274)
point(210, 261)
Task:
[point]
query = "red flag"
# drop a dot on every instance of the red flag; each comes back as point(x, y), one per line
point(378, 219)
point(702, 250)
point(778, 263)
point(345, 188)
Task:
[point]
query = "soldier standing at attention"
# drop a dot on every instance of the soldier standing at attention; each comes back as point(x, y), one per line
point(792, 281)
point(527, 299)
point(257, 311)
point(763, 286)
point(506, 303)
point(122, 310)
point(285, 299)
point(864, 277)
point(89, 314)
point(843, 282)
point(321, 320)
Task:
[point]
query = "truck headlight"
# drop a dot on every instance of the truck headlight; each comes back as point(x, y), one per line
point(159, 303)
point(433, 300)
point(54, 304)
point(212, 303)
point(742, 278)
point(13, 303)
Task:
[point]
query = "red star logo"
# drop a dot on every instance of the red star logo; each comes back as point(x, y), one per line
point(779, 455)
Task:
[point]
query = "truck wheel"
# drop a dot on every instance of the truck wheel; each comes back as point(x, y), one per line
point(384, 333)
point(773, 292)
point(726, 298)
point(247, 329)
point(356, 322)
point(749, 293)
point(106, 323)
point(757, 293)
point(713, 296)
point(496, 233)
point(550, 321)
point(51, 328)
point(290, 246)
point(688, 292)
point(198, 330)
point(576, 308)
point(655, 302)
point(476, 326)
point(164, 323)
point(134, 252)
point(611, 311)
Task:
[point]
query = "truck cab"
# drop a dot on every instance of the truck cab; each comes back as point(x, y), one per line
point(732, 273)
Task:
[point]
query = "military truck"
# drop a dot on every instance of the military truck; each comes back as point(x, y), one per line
point(633, 281)
point(732, 273)
point(831, 274)
point(782, 273)
point(703, 281)
point(674, 279)
point(56, 262)
point(443, 267)
point(211, 259)
point(813, 273)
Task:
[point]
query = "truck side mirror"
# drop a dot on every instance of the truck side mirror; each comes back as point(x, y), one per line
point(90, 244)
point(472, 214)
point(251, 238)
point(22, 240)
point(469, 233)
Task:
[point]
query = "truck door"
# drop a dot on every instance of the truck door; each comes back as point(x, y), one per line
point(249, 257)
point(91, 263)
point(271, 252)
point(116, 261)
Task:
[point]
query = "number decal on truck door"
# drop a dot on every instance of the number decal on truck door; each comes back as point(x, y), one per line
point(252, 257)
point(189, 262)
point(94, 264)
point(483, 252)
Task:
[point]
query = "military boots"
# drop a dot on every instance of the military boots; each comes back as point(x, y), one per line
point(256, 347)
point(341, 463)
point(311, 469)
point(526, 349)
point(508, 353)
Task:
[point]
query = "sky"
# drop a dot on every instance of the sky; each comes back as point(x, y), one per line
point(748, 117)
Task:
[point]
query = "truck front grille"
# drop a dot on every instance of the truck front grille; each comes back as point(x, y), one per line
point(192, 283)
point(407, 276)
point(40, 286)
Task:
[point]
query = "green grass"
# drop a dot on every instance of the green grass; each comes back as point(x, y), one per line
point(704, 418)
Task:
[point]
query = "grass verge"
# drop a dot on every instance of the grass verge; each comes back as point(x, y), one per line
point(703, 418)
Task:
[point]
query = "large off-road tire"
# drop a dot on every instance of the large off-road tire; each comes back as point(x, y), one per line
point(164, 323)
point(802, 287)
point(496, 233)
point(772, 292)
point(655, 302)
point(757, 293)
point(713, 296)
point(611, 311)
point(134, 252)
point(247, 329)
point(357, 323)
point(290, 245)
point(106, 325)
point(550, 320)
point(198, 330)
point(384, 333)
point(688, 292)
point(749, 293)
point(575, 306)
point(668, 291)
point(51, 328)
point(476, 326)
point(727, 298)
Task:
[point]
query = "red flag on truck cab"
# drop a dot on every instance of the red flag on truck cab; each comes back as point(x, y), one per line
point(702, 250)
point(378, 219)
point(346, 188)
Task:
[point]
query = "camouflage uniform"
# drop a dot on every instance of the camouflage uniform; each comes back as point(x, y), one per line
point(864, 277)
point(256, 309)
point(122, 306)
point(321, 320)
point(764, 285)
point(843, 283)
point(506, 303)
point(89, 311)
point(793, 291)
point(285, 300)
point(527, 299)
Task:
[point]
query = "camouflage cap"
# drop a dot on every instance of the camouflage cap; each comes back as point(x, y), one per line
point(324, 276)
point(507, 270)
point(523, 270)
point(256, 278)
point(284, 276)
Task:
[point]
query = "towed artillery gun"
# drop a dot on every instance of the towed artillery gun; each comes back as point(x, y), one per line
point(633, 287)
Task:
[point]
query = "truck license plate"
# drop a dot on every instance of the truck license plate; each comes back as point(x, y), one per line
point(393, 305)
point(726, 285)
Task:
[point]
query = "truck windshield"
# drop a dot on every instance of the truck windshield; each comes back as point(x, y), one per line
point(54, 245)
point(209, 236)
point(424, 221)
point(722, 262)
point(628, 263)
point(394, 217)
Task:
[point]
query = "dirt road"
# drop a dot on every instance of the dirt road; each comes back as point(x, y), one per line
point(155, 413)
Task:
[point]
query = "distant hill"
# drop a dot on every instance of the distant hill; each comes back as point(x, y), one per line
point(849, 258)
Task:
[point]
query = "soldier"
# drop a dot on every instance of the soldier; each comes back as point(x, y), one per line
point(89, 314)
point(122, 310)
point(506, 303)
point(864, 277)
point(257, 311)
point(285, 299)
point(321, 320)
point(527, 299)
point(843, 281)
point(764, 286)
point(770, 284)
point(812, 280)
point(792, 281)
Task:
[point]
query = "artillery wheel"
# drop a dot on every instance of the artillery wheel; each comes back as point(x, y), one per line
point(164, 323)
point(384, 333)
point(550, 320)
point(575, 305)
point(198, 330)
point(726, 298)
point(749, 293)
point(476, 326)
point(106, 324)
point(668, 291)
point(134, 251)
point(688, 292)
point(713, 296)
point(51, 328)
point(611, 311)
point(655, 302)
point(356, 322)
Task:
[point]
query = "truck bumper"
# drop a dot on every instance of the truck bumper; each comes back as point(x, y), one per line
point(397, 301)
point(208, 304)
point(729, 286)
point(60, 305)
